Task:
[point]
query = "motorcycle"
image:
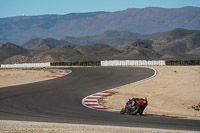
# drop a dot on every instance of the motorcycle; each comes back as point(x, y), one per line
point(137, 107)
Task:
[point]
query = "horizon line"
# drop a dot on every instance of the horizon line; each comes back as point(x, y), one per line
point(24, 15)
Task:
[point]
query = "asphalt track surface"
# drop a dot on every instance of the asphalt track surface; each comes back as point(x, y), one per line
point(59, 100)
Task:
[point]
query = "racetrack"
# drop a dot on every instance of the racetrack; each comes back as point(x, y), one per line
point(59, 100)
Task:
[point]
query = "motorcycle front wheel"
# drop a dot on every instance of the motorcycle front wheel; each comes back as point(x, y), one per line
point(122, 111)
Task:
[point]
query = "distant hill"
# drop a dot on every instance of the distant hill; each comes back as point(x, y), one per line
point(177, 41)
point(175, 44)
point(8, 50)
point(43, 47)
point(110, 37)
point(134, 43)
point(138, 54)
point(195, 51)
point(67, 53)
point(61, 53)
point(181, 57)
point(97, 51)
point(49, 42)
point(148, 20)
point(18, 59)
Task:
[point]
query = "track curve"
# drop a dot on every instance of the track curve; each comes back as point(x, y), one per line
point(59, 100)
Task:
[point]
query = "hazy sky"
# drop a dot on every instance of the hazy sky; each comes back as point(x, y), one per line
point(38, 7)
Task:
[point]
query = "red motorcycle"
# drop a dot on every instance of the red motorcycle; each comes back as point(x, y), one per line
point(135, 106)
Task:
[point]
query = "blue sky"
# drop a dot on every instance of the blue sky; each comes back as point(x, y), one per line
point(38, 7)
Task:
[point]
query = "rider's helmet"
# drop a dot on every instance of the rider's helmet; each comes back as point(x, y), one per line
point(130, 99)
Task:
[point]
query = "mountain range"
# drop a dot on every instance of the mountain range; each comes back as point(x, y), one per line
point(177, 41)
point(175, 44)
point(21, 29)
point(111, 37)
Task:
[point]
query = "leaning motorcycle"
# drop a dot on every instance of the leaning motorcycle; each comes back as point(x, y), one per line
point(138, 107)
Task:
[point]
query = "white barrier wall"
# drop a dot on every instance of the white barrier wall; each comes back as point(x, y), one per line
point(133, 63)
point(26, 65)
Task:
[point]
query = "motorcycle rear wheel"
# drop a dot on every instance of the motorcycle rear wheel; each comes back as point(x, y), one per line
point(136, 110)
point(141, 111)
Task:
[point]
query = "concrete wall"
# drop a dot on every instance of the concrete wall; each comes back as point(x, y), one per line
point(26, 65)
point(133, 63)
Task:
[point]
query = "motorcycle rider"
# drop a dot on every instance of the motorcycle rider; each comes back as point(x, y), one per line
point(129, 104)
point(134, 106)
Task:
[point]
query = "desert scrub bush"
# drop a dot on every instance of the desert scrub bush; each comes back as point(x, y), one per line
point(196, 107)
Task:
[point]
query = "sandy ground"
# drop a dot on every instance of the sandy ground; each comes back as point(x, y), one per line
point(173, 92)
point(10, 77)
point(36, 127)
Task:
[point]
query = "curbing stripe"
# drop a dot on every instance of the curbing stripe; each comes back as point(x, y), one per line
point(89, 101)
point(66, 72)
point(98, 95)
point(92, 97)
point(101, 108)
point(92, 104)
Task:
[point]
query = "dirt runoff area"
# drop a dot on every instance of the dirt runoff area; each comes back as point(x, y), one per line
point(174, 91)
point(42, 127)
point(11, 77)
